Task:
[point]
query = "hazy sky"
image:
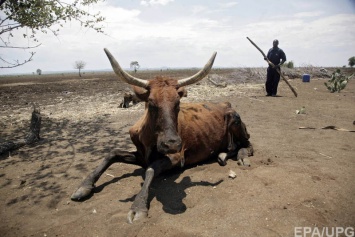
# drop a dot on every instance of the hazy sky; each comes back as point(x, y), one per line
point(185, 33)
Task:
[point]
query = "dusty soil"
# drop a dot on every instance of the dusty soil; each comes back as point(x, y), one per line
point(298, 177)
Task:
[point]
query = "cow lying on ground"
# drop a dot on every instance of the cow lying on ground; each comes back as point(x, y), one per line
point(171, 134)
point(128, 98)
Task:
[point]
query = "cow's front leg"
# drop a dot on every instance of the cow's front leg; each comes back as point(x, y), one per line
point(139, 208)
point(87, 185)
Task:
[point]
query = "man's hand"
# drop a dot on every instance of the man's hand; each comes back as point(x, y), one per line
point(277, 66)
point(265, 58)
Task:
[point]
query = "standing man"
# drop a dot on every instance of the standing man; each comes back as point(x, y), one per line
point(275, 55)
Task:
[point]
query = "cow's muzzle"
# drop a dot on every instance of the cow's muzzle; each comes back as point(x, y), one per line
point(169, 146)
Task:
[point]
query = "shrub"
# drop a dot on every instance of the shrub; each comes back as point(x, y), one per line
point(351, 61)
point(289, 64)
point(337, 82)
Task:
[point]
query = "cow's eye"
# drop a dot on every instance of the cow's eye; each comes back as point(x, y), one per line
point(152, 105)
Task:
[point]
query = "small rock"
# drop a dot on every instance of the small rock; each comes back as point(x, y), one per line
point(301, 111)
point(232, 174)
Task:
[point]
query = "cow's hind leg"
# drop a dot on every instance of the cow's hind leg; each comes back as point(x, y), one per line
point(239, 145)
point(243, 155)
point(87, 185)
point(239, 155)
point(223, 157)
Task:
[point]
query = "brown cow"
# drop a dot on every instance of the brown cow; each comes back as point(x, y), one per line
point(128, 98)
point(171, 134)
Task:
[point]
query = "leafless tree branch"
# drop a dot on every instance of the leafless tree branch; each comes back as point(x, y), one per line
point(16, 63)
point(19, 47)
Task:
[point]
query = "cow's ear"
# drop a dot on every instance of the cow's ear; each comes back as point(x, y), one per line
point(141, 93)
point(182, 92)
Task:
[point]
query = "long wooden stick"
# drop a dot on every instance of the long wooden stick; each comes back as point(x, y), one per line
point(278, 70)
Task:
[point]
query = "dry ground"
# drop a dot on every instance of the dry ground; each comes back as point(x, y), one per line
point(297, 177)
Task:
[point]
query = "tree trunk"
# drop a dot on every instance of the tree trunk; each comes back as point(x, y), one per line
point(31, 137)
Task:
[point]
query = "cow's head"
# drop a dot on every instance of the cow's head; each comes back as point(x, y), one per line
point(162, 97)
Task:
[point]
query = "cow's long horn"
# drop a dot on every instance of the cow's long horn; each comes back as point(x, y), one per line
point(124, 75)
point(200, 75)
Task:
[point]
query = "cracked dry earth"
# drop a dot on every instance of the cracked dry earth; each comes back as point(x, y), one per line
point(298, 177)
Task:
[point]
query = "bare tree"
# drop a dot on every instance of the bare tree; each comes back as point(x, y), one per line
point(79, 65)
point(135, 65)
point(39, 71)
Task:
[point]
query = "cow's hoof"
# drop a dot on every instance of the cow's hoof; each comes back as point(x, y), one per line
point(136, 216)
point(81, 193)
point(242, 153)
point(246, 162)
point(222, 159)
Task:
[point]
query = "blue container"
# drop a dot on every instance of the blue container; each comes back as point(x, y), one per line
point(306, 77)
